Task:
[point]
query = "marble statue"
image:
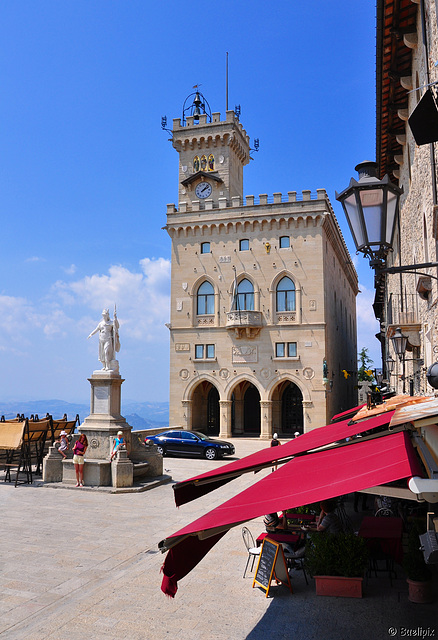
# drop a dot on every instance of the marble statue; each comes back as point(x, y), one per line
point(109, 343)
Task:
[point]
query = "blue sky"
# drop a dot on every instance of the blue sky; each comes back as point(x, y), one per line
point(86, 171)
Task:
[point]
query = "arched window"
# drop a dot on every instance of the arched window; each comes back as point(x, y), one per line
point(285, 295)
point(205, 299)
point(244, 298)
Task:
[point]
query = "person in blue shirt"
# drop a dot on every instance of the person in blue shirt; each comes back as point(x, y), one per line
point(118, 441)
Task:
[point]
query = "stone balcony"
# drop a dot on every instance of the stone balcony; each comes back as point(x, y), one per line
point(245, 324)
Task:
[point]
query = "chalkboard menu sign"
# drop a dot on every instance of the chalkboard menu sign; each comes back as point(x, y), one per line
point(271, 564)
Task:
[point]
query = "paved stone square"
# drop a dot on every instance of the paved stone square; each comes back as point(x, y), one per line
point(84, 564)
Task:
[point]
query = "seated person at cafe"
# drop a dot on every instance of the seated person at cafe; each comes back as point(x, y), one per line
point(272, 522)
point(328, 519)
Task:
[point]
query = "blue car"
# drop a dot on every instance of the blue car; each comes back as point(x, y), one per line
point(191, 443)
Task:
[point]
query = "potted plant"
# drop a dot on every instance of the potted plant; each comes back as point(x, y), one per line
point(337, 562)
point(419, 576)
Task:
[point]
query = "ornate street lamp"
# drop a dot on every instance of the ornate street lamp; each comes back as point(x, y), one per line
point(399, 342)
point(371, 207)
point(390, 362)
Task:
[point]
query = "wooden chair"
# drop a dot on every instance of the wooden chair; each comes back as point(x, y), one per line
point(15, 443)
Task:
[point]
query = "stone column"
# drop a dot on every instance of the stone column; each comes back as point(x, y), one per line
point(266, 419)
point(122, 470)
point(238, 417)
point(225, 418)
point(187, 414)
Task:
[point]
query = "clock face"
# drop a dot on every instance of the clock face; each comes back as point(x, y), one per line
point(203, 190)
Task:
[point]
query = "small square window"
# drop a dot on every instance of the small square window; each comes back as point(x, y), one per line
point(244, 245)
point(205, 247)
point(279, 349)
point(292, 349)
point(209, 350)
point(199, 351)
point(284, 242)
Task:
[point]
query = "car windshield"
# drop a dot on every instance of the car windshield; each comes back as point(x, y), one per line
point(201, 436)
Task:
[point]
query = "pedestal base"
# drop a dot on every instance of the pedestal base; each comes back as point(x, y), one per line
point(97, 473)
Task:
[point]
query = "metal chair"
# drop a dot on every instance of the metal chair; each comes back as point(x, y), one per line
point(295, 560)
point(253, 551)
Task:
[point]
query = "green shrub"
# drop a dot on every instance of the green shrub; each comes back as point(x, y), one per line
point(343, 554)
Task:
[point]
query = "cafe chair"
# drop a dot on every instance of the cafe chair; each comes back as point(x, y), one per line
point(253, 551)
point(295, 559)
point(384, 512)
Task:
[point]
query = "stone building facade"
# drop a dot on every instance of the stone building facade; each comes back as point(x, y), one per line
point(407, 50)
point(263, 296)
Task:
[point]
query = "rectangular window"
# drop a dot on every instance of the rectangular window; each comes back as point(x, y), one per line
point(244, 245)
point(285, 349)
point(199, 351)
point(292, 349)
point(205, 352)
point(279, 349)
point(284, 242)
point(209, 350)
point(205, 247)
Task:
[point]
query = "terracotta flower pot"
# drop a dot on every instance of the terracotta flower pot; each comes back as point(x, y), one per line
point(338, 586)
point(421, 592)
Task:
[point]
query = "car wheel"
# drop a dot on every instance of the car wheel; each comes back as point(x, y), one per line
point(210, 453)
point(161, 450)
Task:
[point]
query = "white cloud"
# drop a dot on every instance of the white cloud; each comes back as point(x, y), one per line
point(73, 308)
point(35, 259)
point(71, 270)
point(142, 297)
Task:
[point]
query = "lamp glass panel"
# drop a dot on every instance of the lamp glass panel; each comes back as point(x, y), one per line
point(372, 201)
point(352, 213)
point(391, 210)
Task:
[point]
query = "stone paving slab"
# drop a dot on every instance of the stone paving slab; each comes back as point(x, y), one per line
point(85, 564)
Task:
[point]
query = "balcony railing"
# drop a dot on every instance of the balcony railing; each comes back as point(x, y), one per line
point(245, 323)
point(402, 309)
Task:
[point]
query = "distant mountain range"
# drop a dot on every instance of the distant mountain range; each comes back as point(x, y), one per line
point(140, 415)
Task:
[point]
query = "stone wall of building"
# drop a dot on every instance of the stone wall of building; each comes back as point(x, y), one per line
point(417, 240)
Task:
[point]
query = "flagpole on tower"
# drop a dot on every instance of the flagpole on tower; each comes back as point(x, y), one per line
point(226, 85)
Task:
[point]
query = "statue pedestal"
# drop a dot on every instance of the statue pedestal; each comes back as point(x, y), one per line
point(100, 427)
point(105, 419)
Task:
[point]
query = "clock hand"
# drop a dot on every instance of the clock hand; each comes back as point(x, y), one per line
point(206, 187)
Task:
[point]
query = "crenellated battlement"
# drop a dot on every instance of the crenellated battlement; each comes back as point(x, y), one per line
point(249, 201)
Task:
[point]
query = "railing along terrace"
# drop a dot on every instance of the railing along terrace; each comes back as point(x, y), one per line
point(402, 309)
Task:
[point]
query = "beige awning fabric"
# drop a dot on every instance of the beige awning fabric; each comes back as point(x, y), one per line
point(427, 408)
point(11, 434)
point(389, 405)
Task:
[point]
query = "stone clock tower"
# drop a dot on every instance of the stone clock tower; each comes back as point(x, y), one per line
point(212, 154)
point(262, 321)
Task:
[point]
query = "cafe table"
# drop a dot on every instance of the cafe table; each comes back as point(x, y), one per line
point(384, 532)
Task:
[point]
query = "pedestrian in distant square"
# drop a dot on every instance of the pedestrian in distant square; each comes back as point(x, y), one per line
point(79, 450)
point(63, 444)
point(275, 442)
point(119, 441)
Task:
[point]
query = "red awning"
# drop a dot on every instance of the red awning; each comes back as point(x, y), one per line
point(303, 480)
point(347, 414)
point(200, 485)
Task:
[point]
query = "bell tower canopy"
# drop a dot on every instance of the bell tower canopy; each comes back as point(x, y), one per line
point(212, 153)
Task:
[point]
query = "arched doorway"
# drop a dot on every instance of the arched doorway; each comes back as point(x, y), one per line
point(291, 409)
point(251, 410)
point(205, 409)
point(245, 409)
point(213, 412)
